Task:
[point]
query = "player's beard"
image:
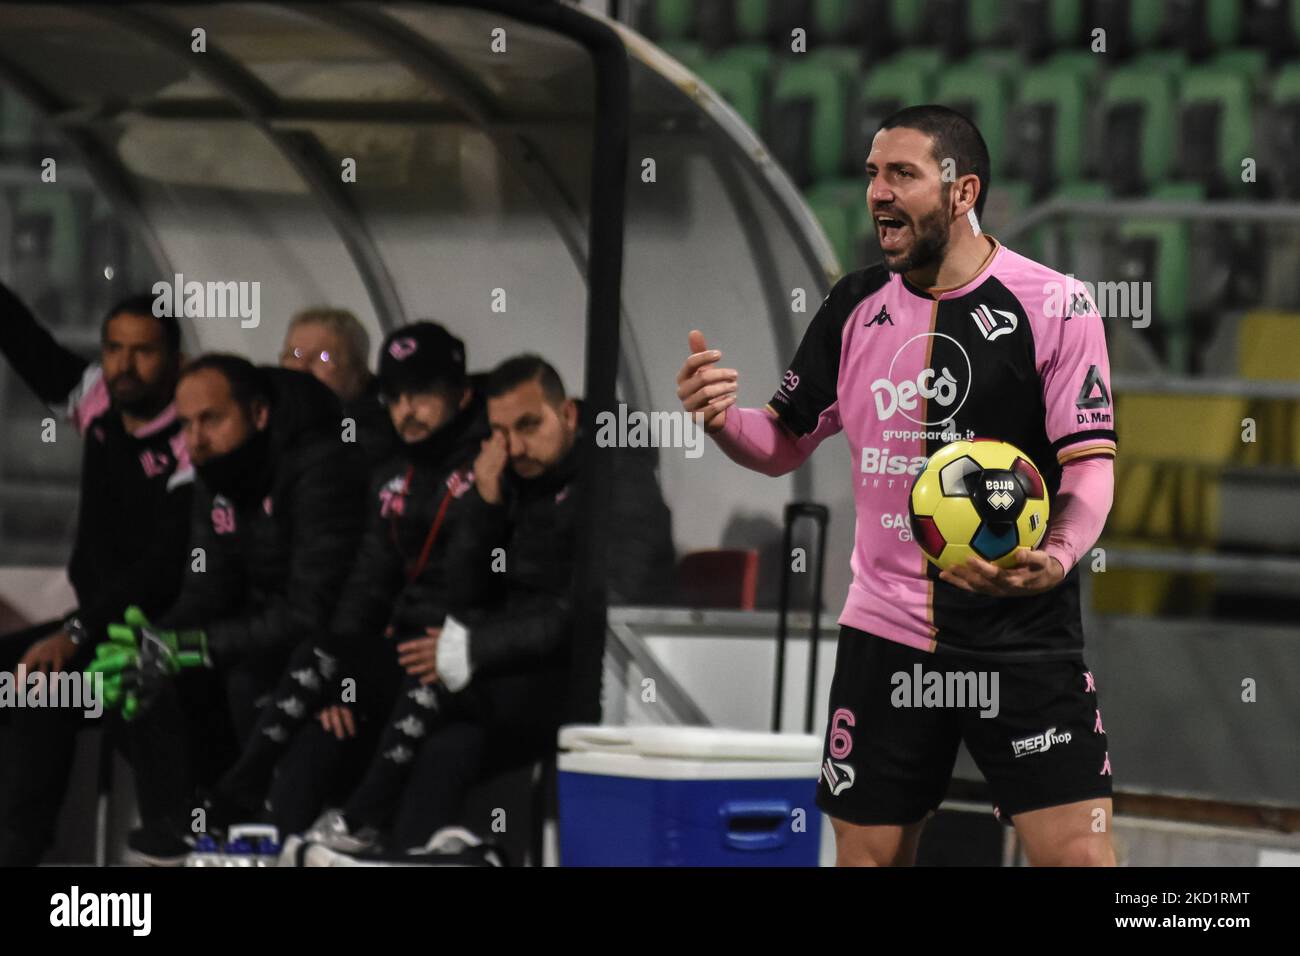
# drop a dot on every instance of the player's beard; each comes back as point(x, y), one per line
point(929, 241)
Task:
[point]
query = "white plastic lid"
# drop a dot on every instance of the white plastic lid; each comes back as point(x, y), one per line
point(695, 743)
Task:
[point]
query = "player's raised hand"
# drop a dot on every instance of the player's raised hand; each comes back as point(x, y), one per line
point(1035, 572)
point(706, 391)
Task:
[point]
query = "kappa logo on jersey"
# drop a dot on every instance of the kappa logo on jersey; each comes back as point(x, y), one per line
point(154, 463)
point(839, 776)
point(1039, 743)
point(1092, 381)
point(881, 318)
point(943, 390)
point(995, 322)
point(1079, 305)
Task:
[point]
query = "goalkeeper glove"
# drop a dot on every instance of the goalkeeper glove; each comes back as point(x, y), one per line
point(138, 660)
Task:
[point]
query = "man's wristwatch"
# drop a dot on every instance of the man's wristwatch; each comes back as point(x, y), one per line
point(75, 630)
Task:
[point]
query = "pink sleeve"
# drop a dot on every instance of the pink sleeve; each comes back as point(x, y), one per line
point(1075, 372)
point(754, 438)
point(1079, 512)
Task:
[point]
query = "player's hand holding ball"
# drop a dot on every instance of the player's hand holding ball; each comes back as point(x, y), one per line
point(705, 391)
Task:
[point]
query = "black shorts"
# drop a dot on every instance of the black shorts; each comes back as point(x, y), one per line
point(897, 714)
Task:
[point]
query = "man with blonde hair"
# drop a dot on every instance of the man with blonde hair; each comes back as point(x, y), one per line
point(334, 346)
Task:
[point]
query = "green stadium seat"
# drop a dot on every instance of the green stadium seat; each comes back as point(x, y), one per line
point(836, 221)
point(855, 236)
point(1202, 26)
point(1129, 27)
point(1083, 63)
point(1047, 128)
point(1158, 251)
point(838, 21)
point(1170, 62)
point(1040, 26)
point(924, 59)
point(907, 21)
point(1006, 201)
point(741, 87)
point(18, 126)
point(1284, 125)
point(686, 52)
point(667, 19)
point(1001, 60)
point(807, 116)
point(961, 25)
point(752, 20)
point(1250, 63)
point(66, 219)
point(1137, 107)
point(982, 96)
point(885, 90)
point(1215, 129)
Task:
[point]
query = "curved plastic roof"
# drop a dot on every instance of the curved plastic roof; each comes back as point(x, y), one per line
point(472, 180)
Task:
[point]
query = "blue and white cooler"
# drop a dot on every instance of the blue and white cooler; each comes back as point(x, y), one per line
point(687, 796)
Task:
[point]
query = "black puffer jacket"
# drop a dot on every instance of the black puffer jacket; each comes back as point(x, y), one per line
point(374, 428)
point(521, 617)
point(274, 566)
point(404, 503)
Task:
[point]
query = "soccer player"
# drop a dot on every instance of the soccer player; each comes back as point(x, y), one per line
point(953, 336)
point(132, 530)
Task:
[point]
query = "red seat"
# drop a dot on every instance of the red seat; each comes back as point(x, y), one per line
point(719, 578)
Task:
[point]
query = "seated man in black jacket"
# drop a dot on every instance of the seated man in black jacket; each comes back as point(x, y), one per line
point(132, 529)
point(346, 678)
point(489, 683)
point(276, 520)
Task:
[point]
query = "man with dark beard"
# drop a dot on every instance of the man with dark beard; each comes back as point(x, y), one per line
point(132, 529)
point(276, 520)
point(314, 730)
point(953, 336)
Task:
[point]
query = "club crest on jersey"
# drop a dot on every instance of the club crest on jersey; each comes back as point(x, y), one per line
point(392, 497)
point(994, 322)
point(839, 776)
point(223, 516)
point(459, 482)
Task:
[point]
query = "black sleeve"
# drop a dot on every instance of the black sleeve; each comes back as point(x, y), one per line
point(217, 584)
point(641, 555)
point(48, 369)
point(372, 586)
point(479, 529)
point(809, 386)
point(154, 578)
point(325, 526)
point(535, 632)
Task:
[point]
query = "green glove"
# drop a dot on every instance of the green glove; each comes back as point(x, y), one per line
point(138, 660)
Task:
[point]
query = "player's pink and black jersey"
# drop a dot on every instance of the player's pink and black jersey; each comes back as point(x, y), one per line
point(1018, 353)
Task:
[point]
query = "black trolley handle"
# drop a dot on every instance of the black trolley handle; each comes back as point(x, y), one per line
point(821, 516)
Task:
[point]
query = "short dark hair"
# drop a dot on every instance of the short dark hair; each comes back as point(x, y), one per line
point(953, 136)
point(519, 369)
point(247, 383)
point(142, 304)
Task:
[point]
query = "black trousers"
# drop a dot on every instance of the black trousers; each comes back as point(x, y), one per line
point(186, 737)
point(415, 785)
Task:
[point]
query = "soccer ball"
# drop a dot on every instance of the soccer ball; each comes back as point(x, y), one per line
point(981, 497)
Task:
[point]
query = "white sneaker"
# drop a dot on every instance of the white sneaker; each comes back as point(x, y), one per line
point(331, 830)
